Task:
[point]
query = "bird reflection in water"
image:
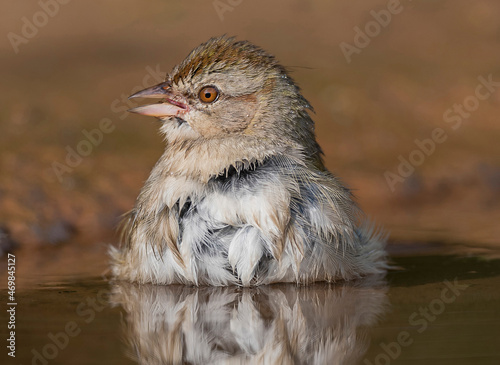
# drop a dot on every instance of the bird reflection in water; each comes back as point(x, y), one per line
point(277, 324)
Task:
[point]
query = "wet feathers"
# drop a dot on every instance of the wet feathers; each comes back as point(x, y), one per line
point(241, 195)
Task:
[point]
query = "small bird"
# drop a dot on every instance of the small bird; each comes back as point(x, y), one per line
point(241, 195)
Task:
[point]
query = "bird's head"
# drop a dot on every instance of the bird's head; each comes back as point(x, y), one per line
point(231, 90)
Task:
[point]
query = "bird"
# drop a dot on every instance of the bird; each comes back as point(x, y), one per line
point(241, 195)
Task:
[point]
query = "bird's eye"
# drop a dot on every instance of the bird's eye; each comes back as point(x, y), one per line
point(208, 94)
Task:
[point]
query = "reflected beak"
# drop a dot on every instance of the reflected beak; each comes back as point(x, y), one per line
point(166, 108)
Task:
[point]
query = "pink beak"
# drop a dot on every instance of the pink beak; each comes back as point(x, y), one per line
point(166, 108)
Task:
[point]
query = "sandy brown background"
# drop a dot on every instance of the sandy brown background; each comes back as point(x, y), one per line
point(81, 65)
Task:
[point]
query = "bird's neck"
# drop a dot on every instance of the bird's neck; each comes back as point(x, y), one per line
point(201, 160)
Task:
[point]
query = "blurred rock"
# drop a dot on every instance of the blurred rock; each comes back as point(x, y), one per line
point(55, 232)
point(7, 244)
point(490, 175)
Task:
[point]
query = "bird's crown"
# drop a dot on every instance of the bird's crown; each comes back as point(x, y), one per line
point(225, 54)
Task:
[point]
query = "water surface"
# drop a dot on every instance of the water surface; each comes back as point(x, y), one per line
point(435, 309)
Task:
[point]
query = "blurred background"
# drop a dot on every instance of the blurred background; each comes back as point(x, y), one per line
point(405, 95)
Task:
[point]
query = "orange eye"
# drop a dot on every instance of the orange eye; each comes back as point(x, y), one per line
point(208, 94)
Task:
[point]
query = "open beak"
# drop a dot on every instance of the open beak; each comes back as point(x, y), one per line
point(166, 108)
